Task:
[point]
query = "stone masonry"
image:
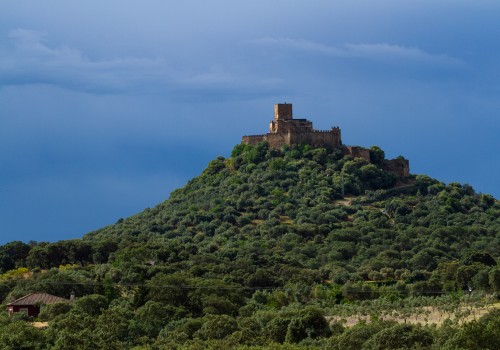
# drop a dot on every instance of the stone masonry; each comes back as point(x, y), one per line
point(285, 130)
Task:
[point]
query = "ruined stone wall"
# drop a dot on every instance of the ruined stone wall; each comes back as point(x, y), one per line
point(292, 125)
point(277, 140)
point(327, 139)
point(315, 138)
point(274, 140)
point(253, 139)
point(331, 137)
point(357, 152)
point(399, 166)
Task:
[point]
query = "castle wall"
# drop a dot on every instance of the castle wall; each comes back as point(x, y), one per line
point(357, 152)
point(291, 125)
point(329, 139)
point(277, 140)
point(399, 166)
point(274, 140)
point(253, 139)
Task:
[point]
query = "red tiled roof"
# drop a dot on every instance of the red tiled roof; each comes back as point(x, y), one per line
point(38, 298)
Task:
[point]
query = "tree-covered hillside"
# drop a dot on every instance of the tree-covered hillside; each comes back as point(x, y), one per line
point(257, 250)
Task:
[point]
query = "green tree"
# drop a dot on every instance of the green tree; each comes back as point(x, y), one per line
point(150, 318)
point(49, 312)
point(377, 155)
point(13, 255)
point(277, 329)
point(112, 328)
point(216, 327)
point(311, 323)
point(494, 279)
point(92, 305)
point(73, 330)
point(20, 335)
point(353, 338)
point(170, 289)
point(401, 336)
point(482, 334)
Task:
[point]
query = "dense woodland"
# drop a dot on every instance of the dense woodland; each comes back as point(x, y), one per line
point(260, 251)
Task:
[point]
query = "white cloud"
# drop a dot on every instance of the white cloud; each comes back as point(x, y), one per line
point(379, 51)
point(396, 52)
point(302, 45)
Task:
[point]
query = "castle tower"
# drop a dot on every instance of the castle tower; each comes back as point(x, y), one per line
point(283, 111)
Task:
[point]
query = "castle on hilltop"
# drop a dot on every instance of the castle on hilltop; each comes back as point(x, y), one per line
point(285, 130)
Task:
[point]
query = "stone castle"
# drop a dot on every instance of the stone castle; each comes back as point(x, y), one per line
point(285, 130)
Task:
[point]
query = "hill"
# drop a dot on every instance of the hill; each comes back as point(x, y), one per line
point(259, 248)
point(282, 211)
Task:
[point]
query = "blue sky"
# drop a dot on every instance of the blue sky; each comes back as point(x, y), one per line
point(107, 106)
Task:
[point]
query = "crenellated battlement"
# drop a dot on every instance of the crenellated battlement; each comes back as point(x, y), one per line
point(285, 130)
point(321, 131)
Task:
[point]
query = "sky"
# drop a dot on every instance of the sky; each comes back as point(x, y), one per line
point(108, 106)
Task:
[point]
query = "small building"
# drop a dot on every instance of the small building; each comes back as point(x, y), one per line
point(31, 303)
